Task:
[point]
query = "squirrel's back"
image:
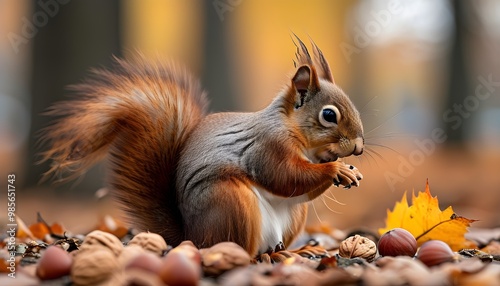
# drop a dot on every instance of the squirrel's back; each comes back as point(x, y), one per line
point(138, 116)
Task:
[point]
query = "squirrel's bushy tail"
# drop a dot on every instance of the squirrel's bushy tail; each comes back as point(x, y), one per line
point(137, 116)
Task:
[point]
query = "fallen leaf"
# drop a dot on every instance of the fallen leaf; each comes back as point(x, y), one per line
point(23, 231)
point(39, 230)
point(57, 229)
point(113, 226)
point(426, 221)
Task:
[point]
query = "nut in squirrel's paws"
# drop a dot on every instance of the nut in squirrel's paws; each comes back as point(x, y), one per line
point(347, 176)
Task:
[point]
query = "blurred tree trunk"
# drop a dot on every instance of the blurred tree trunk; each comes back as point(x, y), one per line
point(459, 86)
point(81, 35)
point(217, 78)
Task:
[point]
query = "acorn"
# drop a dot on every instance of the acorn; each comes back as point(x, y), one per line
point(397, 242)
point(435, 252)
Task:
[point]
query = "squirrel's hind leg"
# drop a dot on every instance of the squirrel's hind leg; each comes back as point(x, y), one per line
point(229, 212)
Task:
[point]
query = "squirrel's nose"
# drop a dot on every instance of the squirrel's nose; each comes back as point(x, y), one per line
point(358, 146)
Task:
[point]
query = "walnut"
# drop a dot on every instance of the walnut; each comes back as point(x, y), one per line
point(101, 238)
point(93, 265)
point(150, 241)
point(358, 246)
point(222, 257)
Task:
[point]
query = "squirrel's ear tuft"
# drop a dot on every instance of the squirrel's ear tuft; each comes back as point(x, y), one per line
point(305, 84)
point(301, 54)
point(321, 63)
point(304, 58)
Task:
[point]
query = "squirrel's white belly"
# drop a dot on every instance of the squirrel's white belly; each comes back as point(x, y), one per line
point(275, 216)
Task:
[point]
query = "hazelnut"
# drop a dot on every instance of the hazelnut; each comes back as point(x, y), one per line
point(150, 241)
point(397, 242)
point(358, 246)
point(129, 253)
point(54, 263)
point(146, 261)
point(178, 268)
point(435, 252)
point(101, 238)
point(222, 257)
point(189, 249)
point(93, 266)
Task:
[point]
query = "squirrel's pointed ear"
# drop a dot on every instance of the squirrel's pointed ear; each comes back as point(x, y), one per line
point(305, 83)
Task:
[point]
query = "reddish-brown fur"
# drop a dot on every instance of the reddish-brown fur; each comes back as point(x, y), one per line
point(138, 133)
point(172, 168)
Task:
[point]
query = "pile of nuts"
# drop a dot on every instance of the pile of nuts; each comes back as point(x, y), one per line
point(397, 242)
point(103, 259)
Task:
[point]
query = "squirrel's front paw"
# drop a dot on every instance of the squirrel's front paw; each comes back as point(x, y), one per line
point(347, 176)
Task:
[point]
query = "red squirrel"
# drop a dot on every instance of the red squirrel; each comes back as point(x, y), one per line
point(189, 175)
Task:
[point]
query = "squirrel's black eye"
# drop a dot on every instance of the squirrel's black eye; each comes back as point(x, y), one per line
point(329, 116)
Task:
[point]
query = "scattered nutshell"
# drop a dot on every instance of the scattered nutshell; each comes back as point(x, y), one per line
point(312, 251)
point(265, 258)
point(150, 241)
point(397, 242)
point(435, 252)
point(222, 257)
point(101, 238)
point(328, 262)
point(358, 246)
point(281, 256)
point(93, 266)
point(54, 263)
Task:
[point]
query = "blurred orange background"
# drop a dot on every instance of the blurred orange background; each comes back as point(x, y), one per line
point(425, 76)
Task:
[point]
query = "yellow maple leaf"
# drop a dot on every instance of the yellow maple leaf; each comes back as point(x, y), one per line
point(426, 221)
